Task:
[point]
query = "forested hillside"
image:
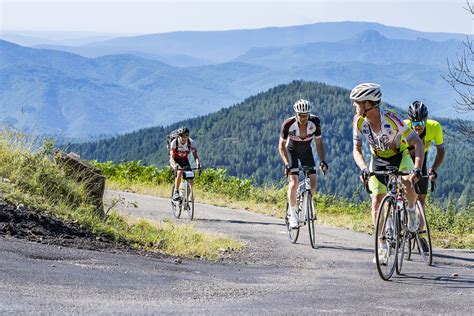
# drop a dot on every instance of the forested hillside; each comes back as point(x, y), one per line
point(244, 140)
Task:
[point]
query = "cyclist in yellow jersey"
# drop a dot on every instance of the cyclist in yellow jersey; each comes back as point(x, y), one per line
point(430, 132)
point(388, 137)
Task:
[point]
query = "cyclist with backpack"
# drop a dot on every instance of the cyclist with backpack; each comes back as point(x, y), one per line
point(180, 145)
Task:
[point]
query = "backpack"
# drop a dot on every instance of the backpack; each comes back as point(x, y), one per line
point(172, 136)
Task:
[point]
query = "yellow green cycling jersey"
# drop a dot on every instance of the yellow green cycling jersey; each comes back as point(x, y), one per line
point(433, 133)
point(392, 139)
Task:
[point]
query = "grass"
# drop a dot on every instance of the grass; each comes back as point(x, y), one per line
point(36, 181)
point(450, 227)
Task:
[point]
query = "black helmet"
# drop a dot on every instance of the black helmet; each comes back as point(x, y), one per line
point(417, 111)
point(183, 131)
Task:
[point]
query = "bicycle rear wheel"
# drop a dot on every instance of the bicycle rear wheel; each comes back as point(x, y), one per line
point(189, 205)
point(386, 238)
point(293, 233)
point(175, 205)
point(310, 219)
point(423, 237)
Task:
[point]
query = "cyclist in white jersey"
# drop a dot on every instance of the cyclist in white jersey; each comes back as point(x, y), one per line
point(388, 137)
point(180, 148)
point(296, 135)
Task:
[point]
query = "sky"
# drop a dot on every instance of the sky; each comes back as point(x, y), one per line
point(148, 16)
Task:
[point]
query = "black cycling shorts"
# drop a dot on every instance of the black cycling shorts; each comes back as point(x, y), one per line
point(422, 184)
point(184, 164)
point(305, 157)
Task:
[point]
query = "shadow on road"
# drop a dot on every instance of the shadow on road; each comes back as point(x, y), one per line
point(455, 282)
point(232, 221)
point(436, 255)
point(356, 249)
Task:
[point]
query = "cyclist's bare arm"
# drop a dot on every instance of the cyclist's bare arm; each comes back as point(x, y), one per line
point(282, 150)
point(359, 157)
point(172, 161)
point(320, 148)
point(196, 159)
point(439, 158)
point(419, 151)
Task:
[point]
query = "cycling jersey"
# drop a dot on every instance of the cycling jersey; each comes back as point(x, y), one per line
point(392, 139)
point(290, 131)
point(298, 148)
point(433, 133)
point(181, 151)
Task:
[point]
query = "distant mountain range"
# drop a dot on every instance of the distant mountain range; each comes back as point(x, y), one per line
point(223, 46)
point(52, 91)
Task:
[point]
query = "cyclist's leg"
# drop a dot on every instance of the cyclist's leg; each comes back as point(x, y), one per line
point(378, 188)
point(406, 164)
point(307, 159)
point(293, 186)
point(423, 190)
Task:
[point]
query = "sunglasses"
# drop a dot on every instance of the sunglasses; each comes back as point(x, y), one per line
point(302, 114)
point(419, 123)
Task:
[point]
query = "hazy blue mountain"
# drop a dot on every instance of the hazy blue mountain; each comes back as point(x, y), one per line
point(369, 46)
point(222, 46)
point(31, 38)
point(127, 92)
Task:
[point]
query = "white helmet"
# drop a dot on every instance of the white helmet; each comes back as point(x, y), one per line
point(302, 106)
point(366, 92)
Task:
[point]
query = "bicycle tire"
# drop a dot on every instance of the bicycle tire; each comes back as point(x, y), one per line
point(175, 206)
point(190, 202)
point(427, 256)
point(293, 233)
point(310, 219)
point(402, 238)
point(386, 211)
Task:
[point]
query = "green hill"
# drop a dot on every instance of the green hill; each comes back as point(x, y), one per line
point(244, 140)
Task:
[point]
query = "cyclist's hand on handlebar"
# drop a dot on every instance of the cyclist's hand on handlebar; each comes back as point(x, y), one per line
point(432, 175)
point(415, 175)
point(364, 175)
point(324, 167)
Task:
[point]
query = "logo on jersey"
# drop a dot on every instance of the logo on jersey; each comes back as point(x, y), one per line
point(394, 118)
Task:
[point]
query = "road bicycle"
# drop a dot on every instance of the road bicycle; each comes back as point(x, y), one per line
point(391, 229)
point(185, 202)
point(306, 212)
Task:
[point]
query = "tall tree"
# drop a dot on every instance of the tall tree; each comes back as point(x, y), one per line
point(461, 78)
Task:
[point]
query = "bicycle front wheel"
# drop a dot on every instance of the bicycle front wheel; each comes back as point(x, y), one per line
point(190, 202)
point(386, 235)
point(423, 237)
point(175, 205)
point(310, 219)
point(293, 233)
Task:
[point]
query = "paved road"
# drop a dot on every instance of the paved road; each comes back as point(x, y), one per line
point(271, 276)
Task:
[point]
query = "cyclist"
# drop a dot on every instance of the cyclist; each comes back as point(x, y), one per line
point(429, 131)
point(296, 135)
point(180, 147)
point(388, 137)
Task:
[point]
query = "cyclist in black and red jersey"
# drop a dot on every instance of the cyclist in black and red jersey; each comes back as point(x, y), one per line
point(180, 147)
point(296, 135)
